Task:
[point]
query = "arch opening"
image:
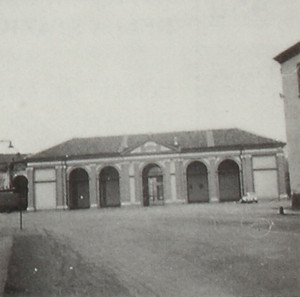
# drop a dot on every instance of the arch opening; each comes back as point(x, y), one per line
point(229, 181)
point(79, 194)
point(20, 185)
point(109, 183)
point(197, 183)
point(153, 190)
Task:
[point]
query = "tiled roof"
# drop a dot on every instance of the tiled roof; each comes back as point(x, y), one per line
point(178, 141)
point(288, 53)
point(8, 158)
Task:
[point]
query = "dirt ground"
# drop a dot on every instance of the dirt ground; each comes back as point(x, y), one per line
point(173, 250)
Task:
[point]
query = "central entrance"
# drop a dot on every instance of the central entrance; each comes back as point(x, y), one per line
point(153, 191)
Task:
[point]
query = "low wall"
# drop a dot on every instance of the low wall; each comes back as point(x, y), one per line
point(10, 201)
point(6, 243)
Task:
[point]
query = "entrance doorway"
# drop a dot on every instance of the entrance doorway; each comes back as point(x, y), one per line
point(197, 183)
point(79, 195)
point(153, 191)
point(20, 185)
point(109, 187)
point(229, 181)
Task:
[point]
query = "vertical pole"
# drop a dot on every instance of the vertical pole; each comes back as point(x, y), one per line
point(21, 220)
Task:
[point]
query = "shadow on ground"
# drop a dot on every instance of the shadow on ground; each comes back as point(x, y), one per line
point(42, 266)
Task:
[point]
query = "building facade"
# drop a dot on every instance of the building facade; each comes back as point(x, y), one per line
point(290, 71)
point(183, 167)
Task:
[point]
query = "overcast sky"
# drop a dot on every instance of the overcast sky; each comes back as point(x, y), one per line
point(78, 68)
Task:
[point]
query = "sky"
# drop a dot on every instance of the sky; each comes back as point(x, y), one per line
point(83, 68)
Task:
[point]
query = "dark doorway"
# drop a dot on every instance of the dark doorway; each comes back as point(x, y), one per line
point(20, 185)
point(197, 183)
point(153, 191)
point(109, 187)
point(79, 194)
point(229, 181)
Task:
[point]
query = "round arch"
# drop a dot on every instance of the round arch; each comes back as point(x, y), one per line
point(197, 182)
point(229, 181)
point(109, 187)
point(79, 194)
point(20, 185)
point(153, 189)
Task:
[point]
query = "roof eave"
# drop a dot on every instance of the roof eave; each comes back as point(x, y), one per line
point(71, 157)
point(288, 54)
point(234, 147)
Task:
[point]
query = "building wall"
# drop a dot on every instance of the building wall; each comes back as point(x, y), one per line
point(49, 181)
point(292, 115)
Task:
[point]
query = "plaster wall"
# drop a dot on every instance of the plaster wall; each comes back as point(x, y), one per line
point(292, 115)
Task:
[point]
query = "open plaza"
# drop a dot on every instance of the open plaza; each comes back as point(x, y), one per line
point(222, 249)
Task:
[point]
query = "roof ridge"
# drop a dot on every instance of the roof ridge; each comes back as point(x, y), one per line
point(186, 140)
point(153, 133)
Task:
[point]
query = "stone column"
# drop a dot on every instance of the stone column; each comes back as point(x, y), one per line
point(180, 181)
point(173, 185)
point(65, 187)
point(167, 182)
point(93, 187)
point(124, 184)
point(247, 174)
point(282, 170)
point(138, 184)
point(213, 181)
point(31, 200)
point(132, 185)
point(60, 187)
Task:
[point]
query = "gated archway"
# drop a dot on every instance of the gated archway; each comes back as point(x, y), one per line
point(197, 183)
point(79, 194)
point(109, 187)
point(153, 190)
point(229, 181)
point(20, 185)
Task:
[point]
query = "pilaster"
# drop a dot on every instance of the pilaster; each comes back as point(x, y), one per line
point(167, 182)
point(59, 187)
point(31, 200)
point(125, 184)
point(93, 186)
point(181, 184)
point(247, 174)
point(138, 184)
point(132, 183)
point(173, 185)
point(213, 181)
point(282, 169)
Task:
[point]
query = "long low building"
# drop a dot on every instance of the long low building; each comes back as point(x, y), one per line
point(153, 169)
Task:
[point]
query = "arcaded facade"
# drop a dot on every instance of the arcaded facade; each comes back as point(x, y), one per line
point(182, 167)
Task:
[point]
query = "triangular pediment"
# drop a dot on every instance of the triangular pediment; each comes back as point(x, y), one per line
point(150, 147)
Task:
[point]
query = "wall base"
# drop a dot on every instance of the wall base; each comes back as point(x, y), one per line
point(283, 196)
point(62, 207)
point(214, 200)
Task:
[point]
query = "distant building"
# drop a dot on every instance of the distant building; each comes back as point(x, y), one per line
point(290, 71)
point(11, 166)
point(179, 167)
point(13, 182)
